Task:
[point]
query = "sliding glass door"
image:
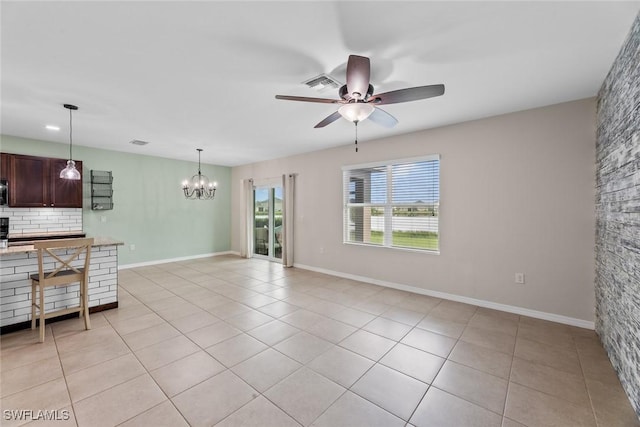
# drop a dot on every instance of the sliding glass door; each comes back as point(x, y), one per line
point(267, 219)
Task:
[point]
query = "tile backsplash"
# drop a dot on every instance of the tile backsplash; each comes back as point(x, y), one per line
point(42, 220)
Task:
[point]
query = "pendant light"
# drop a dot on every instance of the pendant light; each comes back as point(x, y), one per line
point(199, 187)
point(70, 172)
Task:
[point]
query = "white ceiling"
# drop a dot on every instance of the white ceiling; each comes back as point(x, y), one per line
point(187, 75)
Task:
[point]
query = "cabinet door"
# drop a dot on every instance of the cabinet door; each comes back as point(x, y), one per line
point(64, 193)
point(4, 166)
point(28, 181)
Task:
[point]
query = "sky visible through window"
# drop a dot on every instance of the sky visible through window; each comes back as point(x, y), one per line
point(262, 194)
point(412, 182)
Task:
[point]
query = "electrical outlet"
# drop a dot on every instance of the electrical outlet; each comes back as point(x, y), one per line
point(321, 249)
point(103, 218)
point(132, 247)
point(520, 278)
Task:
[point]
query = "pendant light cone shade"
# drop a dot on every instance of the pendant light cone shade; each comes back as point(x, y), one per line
point(356, 111)
point(199, 187)
point(70, 172)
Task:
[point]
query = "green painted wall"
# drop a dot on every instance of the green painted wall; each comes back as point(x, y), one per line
point(150, 210)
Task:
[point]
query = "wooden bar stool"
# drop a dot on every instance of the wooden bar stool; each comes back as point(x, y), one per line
point(64, 252)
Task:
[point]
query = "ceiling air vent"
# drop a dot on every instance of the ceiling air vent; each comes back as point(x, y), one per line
point(322, 82)
point(138, 142)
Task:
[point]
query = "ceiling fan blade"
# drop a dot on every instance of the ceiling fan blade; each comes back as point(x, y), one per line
point(307, 99)
point(406, 95)
point(358, 75)
point(327, 121)
point(383, 118)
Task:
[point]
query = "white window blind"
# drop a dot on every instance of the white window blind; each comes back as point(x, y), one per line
point(393, 204)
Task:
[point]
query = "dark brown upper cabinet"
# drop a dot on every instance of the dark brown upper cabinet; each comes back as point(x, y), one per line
point(34, 182)
point(4, 166)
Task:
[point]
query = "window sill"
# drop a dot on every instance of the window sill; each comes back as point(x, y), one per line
point(395, 248)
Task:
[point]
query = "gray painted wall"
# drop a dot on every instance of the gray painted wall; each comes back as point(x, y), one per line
point(618, 215)
point(516, 195)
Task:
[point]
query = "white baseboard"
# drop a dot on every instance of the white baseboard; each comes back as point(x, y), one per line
point(184, 258)
point(481, 303)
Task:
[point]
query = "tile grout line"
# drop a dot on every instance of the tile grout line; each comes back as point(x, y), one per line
point(506, 397)
point(71, 403)
point(584, 378)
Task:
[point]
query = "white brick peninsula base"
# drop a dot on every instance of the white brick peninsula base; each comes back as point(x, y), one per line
point(18, 262)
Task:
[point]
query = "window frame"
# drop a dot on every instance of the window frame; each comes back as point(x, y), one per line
point(388, 205)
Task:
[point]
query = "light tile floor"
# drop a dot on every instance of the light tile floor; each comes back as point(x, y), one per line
point(226, 341)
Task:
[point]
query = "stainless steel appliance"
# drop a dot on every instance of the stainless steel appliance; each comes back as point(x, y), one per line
point(4, 232)
point(4, 192)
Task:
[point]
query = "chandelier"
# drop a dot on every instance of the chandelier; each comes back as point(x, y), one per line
point(199, 187)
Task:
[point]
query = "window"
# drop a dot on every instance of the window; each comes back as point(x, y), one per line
point(393, 204)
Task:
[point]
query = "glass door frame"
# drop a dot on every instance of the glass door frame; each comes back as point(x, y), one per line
point(272, 254)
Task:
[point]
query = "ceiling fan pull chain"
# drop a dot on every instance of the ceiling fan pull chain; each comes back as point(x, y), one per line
point(356, 136)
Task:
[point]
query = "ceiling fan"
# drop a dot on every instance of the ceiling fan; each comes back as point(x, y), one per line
point(358, 101)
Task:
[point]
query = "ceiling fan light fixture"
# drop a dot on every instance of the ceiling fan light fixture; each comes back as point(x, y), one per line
point(356, 111)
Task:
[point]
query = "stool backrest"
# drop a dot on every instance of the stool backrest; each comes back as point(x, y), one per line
point(65, 272)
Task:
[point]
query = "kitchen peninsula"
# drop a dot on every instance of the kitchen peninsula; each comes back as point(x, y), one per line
point(40, 204)
point(19, 261)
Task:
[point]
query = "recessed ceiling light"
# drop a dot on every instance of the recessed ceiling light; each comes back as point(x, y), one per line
point(52, 127)
point(138, 142)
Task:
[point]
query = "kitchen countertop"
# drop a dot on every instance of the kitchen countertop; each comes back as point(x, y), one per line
point(97, 241)
point(60, 234)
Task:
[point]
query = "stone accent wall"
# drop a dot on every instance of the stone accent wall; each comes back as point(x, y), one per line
point(617, 283)
point(15, 285)
point(42, 220)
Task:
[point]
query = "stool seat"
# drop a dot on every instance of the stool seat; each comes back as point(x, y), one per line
point(62, 253)
point(36, 276)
